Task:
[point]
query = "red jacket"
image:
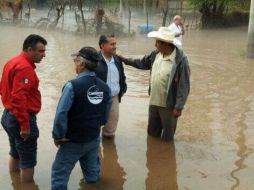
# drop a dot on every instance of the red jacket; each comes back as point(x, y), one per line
point(19, 89)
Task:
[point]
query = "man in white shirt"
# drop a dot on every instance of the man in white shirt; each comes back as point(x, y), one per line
point(178, 28)
point(110, 70)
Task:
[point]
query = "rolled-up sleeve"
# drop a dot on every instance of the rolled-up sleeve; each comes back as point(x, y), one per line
point(61, 118)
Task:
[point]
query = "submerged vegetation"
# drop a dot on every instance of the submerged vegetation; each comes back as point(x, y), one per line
point(106, 16)
point(89, 18)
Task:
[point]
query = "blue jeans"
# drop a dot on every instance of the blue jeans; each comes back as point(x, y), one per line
point(24, 151)
point(68, 155)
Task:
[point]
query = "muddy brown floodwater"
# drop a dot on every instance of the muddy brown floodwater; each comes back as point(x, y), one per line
point(213, 148)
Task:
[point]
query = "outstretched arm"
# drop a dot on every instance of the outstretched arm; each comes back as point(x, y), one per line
point(145, 63)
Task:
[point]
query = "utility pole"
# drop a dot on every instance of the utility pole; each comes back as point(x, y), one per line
point(250, 42)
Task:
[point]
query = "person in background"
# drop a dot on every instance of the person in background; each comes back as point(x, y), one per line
point(177, 27)
point(22, 101)
point(82, 109)
point(169, 83)
point(110, 70)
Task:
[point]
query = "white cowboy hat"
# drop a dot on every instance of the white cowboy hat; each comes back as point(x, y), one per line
point(163, 34)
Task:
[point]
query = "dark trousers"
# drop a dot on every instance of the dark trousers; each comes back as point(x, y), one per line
point(24, 151)
point(161, 123)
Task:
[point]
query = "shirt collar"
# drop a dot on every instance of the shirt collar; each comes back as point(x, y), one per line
point(26, 56)
point(106, 60)
point(170, 57)
point(86, 73)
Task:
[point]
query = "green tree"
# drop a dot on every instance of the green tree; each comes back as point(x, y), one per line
point(214, 11)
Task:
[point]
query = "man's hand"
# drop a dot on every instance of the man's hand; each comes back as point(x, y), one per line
point(58, 142)
point(122, 93)
point(176, 113)
point(183, 28)
point(25, 134)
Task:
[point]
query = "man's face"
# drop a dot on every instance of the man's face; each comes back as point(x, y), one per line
point(37, 53)
point(110, 46)
point(178, 21)
point(160, 45)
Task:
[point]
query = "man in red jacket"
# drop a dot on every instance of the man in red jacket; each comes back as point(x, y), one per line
point(22, 101)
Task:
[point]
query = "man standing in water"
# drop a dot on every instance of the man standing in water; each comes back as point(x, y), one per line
point(22, 101)
point(110, 70)
point(178, 28)
point(169, 84)
point(83, 108)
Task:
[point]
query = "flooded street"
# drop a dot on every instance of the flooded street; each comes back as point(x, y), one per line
point(213, 148)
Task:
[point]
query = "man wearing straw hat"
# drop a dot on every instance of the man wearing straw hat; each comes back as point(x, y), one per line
point(169, 83)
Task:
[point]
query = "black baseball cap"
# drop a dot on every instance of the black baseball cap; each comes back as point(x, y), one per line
point(88, 53)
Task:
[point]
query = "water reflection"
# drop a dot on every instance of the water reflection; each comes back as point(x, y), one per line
point(112, 173)
point(161, 165)
point(17, 185)
point(243, 152)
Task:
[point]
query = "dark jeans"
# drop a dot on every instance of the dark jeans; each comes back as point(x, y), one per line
point(24, 151)
point(161, 123)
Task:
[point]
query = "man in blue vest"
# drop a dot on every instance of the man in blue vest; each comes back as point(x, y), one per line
point(83, 108)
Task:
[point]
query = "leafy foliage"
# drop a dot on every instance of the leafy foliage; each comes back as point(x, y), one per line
point(219, 6)
point(214, 11)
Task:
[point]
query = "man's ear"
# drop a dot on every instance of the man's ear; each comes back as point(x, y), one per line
point(83, 65)
point(29, 49)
